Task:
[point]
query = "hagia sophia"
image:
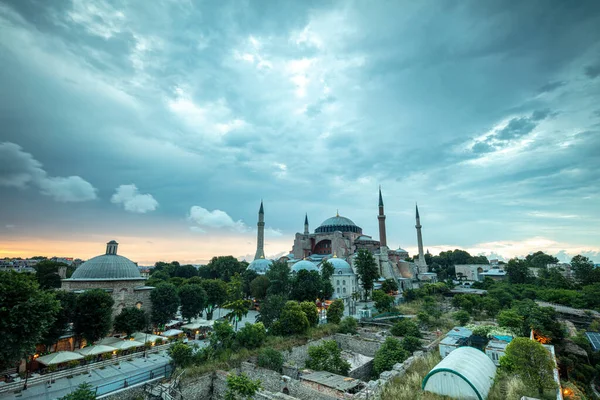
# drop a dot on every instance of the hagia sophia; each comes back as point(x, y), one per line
point(337, 240)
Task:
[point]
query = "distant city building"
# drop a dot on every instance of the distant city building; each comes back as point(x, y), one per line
point(115, 274)
point(478, 272)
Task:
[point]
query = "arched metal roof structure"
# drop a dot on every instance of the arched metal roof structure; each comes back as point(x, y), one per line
point(466, 373)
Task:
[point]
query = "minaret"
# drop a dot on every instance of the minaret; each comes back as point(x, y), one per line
point(421, 261)
point(381, 218)
point(306, 224)
point(260, 240)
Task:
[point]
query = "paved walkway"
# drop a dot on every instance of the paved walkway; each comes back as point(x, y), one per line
point(64, 386)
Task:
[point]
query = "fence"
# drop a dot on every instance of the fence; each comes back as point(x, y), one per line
point(161, 372)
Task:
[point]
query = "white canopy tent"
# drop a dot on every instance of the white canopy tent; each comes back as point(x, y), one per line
point(198, 323)
point(96, 349)
point(171, 333)
point(126, 344)
point(146, 337)
point(59, 357)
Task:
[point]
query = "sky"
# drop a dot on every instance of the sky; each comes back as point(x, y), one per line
point(163, 124)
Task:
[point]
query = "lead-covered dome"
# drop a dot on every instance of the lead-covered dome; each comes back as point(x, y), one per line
point(260, 265)
point(340, 266)
point(304, 264)
point(109, 266)
point(338, 223)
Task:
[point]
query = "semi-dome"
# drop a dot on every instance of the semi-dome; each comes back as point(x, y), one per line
point(109, 266)
point(304, 264)
point(338, 223)
point(260, 265)
point(340, 266)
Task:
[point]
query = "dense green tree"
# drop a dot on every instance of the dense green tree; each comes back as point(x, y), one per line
point(389, 286)
point(312, 313)
point(93, 314)
point(539, 259)
point(327, 357)
point(306, 286)
point(348, 325)
point(335, 311)
point(46, 273)
point(235, 288)
point(490, 305)
point(223, 267)
point(165, 303)
point(181, 354)
point(405, 327)
point(270, 309)
point(131, 320)
point(252, 336)
point(383, 301)
point(510, 319)
point(83, 392)
point(503, 296)
point(389, 353)
point(185, 271)
point(462, 317)
point(247, 277)
point(531, 361)
point(216, 292)
point(223, 336)
point(291, 321)
point(279, 278)
point(64, 317)
point(26, 314)
point(176, 281)
point(367, 269)
point(193, 300)
point(543, 320)
point(271, 359)
point(327, 271)
point(241, 387)
point(411, 344)
point(160, 275)
point(584, 270)
point(517, 271)
point(259, 287)
point(238, 310)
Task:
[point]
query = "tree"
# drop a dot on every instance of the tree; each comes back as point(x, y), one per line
point(252, 336)
point(93, 314)
point(411, 344)
point(291, 321)
point(193, 300)
point(584, 270)
point(270, 309)
point(383, 301)
point(539, 259)
point(239, 309)
point(367, 269)
point(327, 271)
point(223, 336)
point(185, 271)
point(247, 277)
point(26, 313)
point(235, 288)
point(165, 303)
point(490, 305)
point(68, 301)
point(531, 361)
point(223, 267)
point(83, 392)
point(517, 271)
point(405, 327)
point(259, 287)
point(462, 317)
point(131, 320)
point(279, 278)
point(181, 354)
point(312, 313)
point(46, 273)
point(327, 357)
point(348, 325)
point(271, 359)
point(306, 286)
point(335, 311)
point(389, 353)
point(389, 286)
point(216, 292)
point(241, 386)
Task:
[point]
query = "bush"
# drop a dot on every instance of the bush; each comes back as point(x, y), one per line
point(383, 301)
point(405, 327)
point(271, 359)
point(335, 312)
point(181, 354)
point(390, 353)
point(462, 317)
point(411, 343)
point(348, 325)
point(83, 392)
point(252, 336)
point(73, 363)
point(291, 321)
point(327, 357)
point(158, 342)
point(312, 313)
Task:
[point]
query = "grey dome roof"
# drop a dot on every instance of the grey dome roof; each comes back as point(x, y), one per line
point(304, 264)
point(260, 265)
point(340, 266)
point(107, 267)
point(338, 223)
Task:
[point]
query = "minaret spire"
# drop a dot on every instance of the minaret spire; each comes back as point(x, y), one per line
point(381, 218)
point(260, 240)
point(306, 224)
point(421, 261)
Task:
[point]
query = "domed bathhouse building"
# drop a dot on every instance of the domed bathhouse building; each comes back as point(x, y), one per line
point(115, 274)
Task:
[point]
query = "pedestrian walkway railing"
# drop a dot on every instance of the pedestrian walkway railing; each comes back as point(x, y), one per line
point(49, 378)
point(160, 372)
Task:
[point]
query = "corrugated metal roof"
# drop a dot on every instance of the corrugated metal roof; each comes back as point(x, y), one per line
point(331, 380)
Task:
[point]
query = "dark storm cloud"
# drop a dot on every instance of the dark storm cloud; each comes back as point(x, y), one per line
point(592, 71)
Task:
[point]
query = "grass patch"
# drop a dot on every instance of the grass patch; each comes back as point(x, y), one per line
point(511, 387)
point(408, 386)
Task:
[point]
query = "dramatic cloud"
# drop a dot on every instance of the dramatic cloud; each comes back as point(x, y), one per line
point(214, 219)
point(19, 169)
point(132, 200)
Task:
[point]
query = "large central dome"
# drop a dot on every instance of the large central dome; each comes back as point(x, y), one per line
point(338, 223)
point(109, 266)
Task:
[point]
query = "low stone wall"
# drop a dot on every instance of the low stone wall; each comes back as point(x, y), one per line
point(131, 394)
point(198, 388)
point(363, 372)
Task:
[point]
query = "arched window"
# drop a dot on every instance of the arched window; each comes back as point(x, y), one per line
point(338, 290)
point(344, 283)
point(344, 290)
point(338, 282)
